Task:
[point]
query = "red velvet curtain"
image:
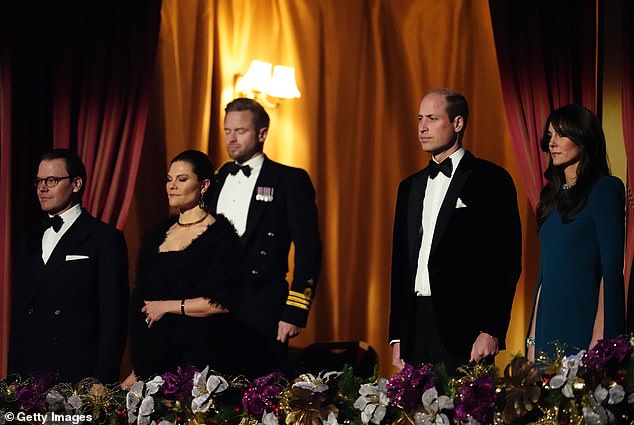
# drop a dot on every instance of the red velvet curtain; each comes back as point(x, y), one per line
point(5, 197)
point(547, 58)
point(628, 135)
point(76, 75)
point(101, 99)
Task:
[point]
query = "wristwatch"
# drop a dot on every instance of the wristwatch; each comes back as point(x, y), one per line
point(530, 341)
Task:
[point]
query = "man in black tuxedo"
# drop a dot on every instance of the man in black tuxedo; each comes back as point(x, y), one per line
point(271, 205)
point(456, 254)
point(70, 283)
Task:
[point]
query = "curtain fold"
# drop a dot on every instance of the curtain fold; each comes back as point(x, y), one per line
point(628, 135)
point(5, 200)
point(101, 99)
point(545, 61)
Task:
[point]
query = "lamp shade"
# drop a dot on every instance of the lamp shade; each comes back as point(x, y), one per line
point(283, 83)
point(258, 76)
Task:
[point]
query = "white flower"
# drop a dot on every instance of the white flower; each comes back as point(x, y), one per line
point(132, 399)
point(373, 402)
point(432, 405)
point(204, 389)
point(331, 420)
point(595, 414)
point(614, 395)
point(421, 418)
point(75, 402)
point(146, 409)
point(316, 384)
point(567, 374)
point(55, 400)
point(268, 419)
point(617, 394)
point(153, 386)
point(140, 392)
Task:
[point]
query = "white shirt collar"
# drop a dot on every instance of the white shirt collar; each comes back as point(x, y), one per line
point(70, 215)
point(455, 158)
point(255, 163)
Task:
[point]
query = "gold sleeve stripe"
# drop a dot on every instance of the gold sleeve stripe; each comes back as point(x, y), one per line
point(294, 304)
point(302, 299)
point(299, 300)
point(299, 295)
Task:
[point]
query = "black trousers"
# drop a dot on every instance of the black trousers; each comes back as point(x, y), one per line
point(428, 345)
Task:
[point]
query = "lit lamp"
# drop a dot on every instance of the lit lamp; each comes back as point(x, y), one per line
point(259, 84)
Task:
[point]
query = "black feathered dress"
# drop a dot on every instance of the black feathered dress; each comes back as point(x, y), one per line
point(208, 267)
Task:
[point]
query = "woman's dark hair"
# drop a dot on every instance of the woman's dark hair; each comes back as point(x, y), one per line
point(581, 126)
point(201, 166)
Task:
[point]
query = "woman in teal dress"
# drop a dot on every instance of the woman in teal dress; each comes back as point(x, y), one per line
point(579, 297)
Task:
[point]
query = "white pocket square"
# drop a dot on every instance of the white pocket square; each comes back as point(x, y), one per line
point(76, 257)
point(460, 204)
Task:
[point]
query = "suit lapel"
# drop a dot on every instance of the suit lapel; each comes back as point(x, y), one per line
point(459, 179)
point(415, 215)
point(34, 265)
point(268, 177)
point(220, 178)
point(74, 236)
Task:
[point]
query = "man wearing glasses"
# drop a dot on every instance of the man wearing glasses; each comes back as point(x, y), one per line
point(70, 283)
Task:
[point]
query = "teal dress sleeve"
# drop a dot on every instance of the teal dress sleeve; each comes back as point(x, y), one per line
point(607, 206)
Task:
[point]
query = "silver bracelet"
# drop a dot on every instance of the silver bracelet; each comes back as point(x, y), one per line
point(530, 341)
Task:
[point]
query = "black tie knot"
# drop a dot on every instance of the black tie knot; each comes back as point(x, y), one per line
point(235, 167)
point(55, 222)
point(445, 167)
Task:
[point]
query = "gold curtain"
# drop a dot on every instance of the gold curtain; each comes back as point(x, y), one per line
point(362, 67)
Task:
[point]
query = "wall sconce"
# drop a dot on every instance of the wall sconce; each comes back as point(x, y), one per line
point(268, 89)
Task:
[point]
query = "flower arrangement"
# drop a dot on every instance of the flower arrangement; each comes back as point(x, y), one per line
point(596, 387)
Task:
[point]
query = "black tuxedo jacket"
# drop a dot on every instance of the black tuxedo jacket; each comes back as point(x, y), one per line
point(70, 315)
point(475, 258)
point(275, 219)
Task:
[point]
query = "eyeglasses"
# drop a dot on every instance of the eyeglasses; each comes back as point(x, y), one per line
point(49, 181)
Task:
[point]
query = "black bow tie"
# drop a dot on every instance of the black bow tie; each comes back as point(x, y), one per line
point(445, 167)
point(235, 167)
point(55, 222)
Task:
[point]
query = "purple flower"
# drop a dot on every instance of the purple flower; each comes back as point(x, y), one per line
point(406, 388)
point(33, 393)
point(475, 398)
point(607, 354)
point(180, 383)
point(262, 393)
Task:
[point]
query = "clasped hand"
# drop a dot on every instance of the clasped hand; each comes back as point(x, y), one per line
point(154, 311)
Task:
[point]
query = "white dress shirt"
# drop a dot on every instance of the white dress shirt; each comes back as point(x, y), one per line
point(235, 195)
point(435, 193)
point(51, 238)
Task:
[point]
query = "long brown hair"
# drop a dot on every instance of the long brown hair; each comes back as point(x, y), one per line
point(581, 126)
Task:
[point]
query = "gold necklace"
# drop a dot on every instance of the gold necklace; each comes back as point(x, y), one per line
point(192, 223)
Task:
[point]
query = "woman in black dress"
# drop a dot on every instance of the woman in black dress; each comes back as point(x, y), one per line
point(187, 280)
